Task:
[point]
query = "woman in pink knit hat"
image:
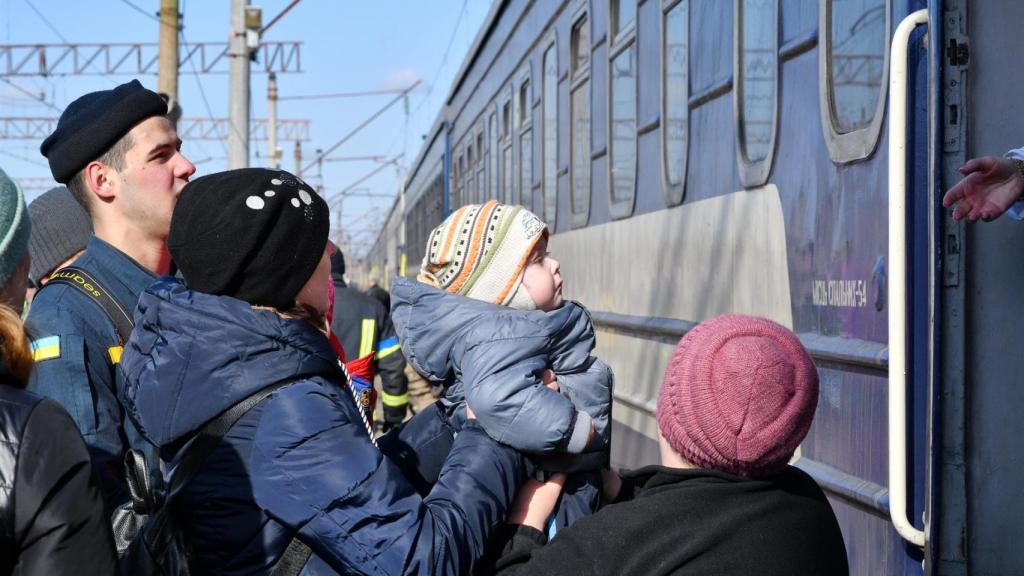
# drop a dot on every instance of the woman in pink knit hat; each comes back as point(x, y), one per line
point(737, 399)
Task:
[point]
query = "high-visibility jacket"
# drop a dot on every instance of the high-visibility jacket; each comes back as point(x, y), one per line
point(364, 328)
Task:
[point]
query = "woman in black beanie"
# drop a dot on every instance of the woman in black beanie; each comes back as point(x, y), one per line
point(251, 245)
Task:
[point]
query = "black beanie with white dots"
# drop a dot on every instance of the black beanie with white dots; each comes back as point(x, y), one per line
point(253, 234)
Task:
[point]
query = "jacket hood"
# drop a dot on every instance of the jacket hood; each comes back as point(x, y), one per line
point(193, 355)
point(435, 327)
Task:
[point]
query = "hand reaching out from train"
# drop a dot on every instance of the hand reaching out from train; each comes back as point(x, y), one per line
point(990, 186)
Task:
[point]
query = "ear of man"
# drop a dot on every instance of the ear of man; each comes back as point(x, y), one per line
point(95, 178)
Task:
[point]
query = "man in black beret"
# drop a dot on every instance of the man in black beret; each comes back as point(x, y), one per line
point(120, 158)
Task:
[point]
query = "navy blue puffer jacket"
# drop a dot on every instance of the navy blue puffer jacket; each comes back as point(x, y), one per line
point(300, 462)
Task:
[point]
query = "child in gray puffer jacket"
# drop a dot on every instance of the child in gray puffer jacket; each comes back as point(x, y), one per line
point(488, 322)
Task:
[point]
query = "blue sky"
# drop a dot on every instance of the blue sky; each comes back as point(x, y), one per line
point(347, 46)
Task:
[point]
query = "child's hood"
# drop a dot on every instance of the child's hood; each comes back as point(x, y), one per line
point(435, 328)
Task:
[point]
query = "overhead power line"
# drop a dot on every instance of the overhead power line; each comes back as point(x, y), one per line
point(24, 159)
point(355, 131)
point(343, 94)
point(278, 17)
point(357, 159)
point(344, 191)
point(37, 97)
point(57, 32)
point(199, 84)
point(444, 58)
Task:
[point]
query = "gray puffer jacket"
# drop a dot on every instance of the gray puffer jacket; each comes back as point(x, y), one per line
point(492, 355)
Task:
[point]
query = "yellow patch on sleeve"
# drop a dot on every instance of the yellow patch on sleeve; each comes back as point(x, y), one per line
point(46, 348)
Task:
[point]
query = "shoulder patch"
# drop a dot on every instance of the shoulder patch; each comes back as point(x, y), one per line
point(46, 348)
point(387, 346)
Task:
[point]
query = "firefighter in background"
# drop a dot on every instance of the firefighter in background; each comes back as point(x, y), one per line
point(363, 326)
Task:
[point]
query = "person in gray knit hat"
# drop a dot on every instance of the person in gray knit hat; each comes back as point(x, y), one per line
point(15, 228)
point(60, 231)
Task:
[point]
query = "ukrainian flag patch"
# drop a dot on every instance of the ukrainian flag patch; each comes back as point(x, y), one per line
point(46, 348)
point(387, 346)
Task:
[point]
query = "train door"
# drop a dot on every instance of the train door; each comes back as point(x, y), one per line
point(981, 461)
point(915, 279)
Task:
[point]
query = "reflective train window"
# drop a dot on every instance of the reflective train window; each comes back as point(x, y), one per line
point(675, 97)
point(481, 155)
point(622, 96)
point(460, 167)
point(623, 15)
point(853, 63)
point(492, 155)
point(579, 124)
point(756, 68)
point(549, 146)
point(506, 152)
point(525, 145)
point(469, 174)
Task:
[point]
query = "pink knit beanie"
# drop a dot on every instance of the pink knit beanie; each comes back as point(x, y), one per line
point(739, 395)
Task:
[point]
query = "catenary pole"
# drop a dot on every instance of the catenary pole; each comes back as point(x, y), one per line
point(167, 76)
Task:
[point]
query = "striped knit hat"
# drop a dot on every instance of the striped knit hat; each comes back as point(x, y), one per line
point(480, 251)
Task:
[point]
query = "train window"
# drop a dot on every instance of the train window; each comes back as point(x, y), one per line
point(755, 61)
point(549, 146)
point(579, 115)
point(675, 108)
point(459, 195)
point(853, 65)
point(623, 15)
point(525, 144)
point(506, 152)
point(492, 155)
point(623, 128)
point(470, 174)
point(481, 161)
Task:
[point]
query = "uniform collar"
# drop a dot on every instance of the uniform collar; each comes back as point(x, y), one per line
point(123, 276)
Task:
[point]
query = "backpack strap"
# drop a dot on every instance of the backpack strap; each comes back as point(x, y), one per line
point(85, 283)
point(203, 443)
point(196, 452)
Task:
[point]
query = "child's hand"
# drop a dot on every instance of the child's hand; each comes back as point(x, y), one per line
point(469, 413)
point(548, 378)
point(536, 501)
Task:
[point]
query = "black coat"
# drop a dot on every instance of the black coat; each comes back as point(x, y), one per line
point(690, 522)
point(363, 326)
point(52, 519)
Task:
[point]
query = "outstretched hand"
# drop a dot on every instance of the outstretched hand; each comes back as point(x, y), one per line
point(990, 186)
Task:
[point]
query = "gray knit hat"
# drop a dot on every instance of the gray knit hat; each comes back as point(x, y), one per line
point(15, 227)
point(61, 229)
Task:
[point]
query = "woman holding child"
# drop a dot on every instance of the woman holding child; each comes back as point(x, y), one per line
point(251, 245)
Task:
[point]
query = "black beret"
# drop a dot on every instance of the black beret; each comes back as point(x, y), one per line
point(93, 123)
point(253, 234)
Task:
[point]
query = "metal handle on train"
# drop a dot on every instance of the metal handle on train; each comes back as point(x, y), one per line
point(898, 278)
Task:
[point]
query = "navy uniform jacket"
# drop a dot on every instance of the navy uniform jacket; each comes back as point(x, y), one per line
point(77, 350)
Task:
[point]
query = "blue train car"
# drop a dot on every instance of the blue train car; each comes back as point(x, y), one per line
point(783, 158)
